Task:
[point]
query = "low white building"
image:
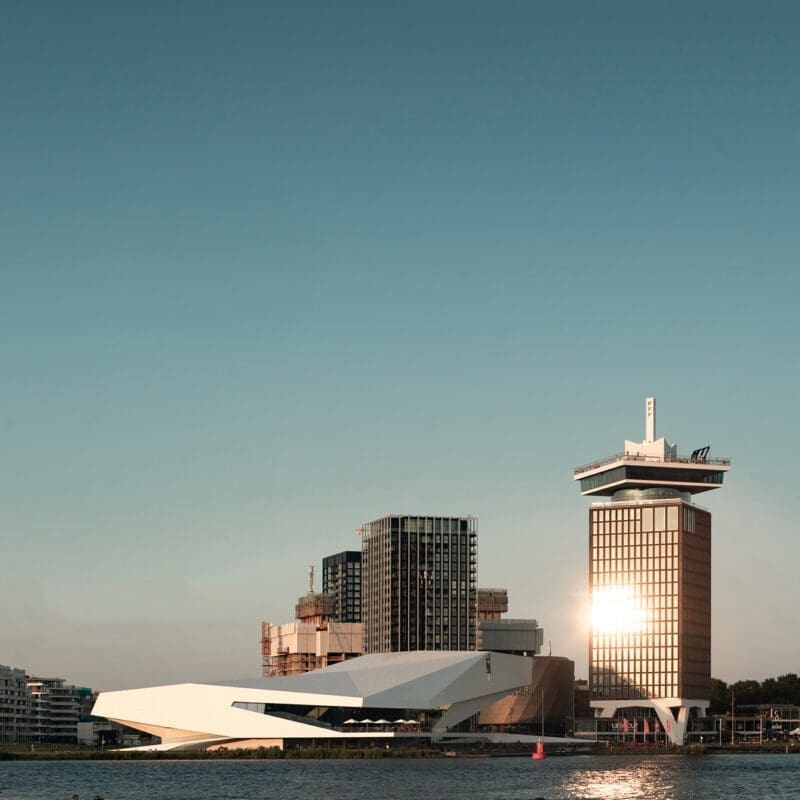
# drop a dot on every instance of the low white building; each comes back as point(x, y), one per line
point(383, 695)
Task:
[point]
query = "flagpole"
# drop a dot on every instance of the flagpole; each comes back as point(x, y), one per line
point(542, 712)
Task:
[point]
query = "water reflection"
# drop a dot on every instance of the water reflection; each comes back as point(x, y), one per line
point(633, 780)
point(775, 777)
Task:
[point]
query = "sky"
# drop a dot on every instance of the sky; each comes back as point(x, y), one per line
point(271, 270)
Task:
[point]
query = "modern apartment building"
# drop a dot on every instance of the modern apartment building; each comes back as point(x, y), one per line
point(15, 705)
point(37, 709)
point(55, 710)
point(650, 580)
point(419, 583)
point(341, 580)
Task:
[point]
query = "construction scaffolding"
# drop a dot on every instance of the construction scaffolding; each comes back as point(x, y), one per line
point(314, 641)
point(492, 603)
point(315, 609)
point(298, 647)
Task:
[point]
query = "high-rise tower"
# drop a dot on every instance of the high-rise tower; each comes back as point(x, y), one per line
point(419, 583)
point(650, 579)
point(341, 579)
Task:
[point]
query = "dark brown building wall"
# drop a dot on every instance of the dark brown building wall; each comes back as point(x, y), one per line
point(695, 605)
point(659, 552)
point(523, 708)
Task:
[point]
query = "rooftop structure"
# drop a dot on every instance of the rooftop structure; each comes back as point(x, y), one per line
point(314, 609)
point(652, 463)
point(520, 637)
point(492, 603)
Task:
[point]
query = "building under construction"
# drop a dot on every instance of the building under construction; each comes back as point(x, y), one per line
point(313, 641)
point(492, 603)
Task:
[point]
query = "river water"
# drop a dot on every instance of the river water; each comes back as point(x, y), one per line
point(774, 777)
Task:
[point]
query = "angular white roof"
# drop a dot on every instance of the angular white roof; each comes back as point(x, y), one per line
point(461, 682)
point(417, 679)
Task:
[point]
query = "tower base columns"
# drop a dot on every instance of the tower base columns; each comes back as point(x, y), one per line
point(674, 726)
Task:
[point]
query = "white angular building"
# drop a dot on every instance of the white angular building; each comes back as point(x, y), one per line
point(383, 695)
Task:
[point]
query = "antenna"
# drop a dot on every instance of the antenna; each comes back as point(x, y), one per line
point(311, 579)
point(649, 420)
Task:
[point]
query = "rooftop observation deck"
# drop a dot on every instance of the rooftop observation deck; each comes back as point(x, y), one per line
point(724, 463)
point(692, 474)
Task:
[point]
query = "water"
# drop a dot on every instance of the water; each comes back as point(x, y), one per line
point(775, 777)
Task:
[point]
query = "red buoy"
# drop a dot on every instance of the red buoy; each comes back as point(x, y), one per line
point(538, 753)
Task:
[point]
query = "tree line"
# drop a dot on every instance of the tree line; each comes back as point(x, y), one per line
point(783, 689)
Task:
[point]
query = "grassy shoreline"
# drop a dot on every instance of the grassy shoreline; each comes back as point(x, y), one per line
point(67, 753)
point(260, 753)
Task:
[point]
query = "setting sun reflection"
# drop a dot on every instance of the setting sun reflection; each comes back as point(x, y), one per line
point(643, 781)
point(607, 786)
point(616, 609)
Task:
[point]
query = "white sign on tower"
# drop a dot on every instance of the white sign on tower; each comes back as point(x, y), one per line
point(650, 420)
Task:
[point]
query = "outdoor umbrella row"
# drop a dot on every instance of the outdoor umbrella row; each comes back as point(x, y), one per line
point(380, 722)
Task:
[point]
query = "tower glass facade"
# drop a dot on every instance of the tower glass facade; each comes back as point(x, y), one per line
point(419, 583)
point(650, 583)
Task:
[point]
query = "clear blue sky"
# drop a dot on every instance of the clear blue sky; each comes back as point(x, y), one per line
point(272, 270)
